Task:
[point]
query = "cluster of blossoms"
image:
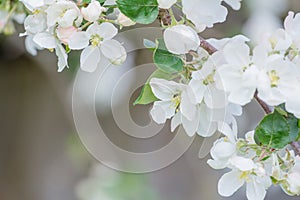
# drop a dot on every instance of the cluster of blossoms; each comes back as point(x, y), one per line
point(212, 91)
point(254, 165)
point(63, 25)
point(199, 84)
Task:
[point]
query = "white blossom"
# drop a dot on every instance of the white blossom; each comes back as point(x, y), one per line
point(276, 80)
point(169, 94)
point(238, 76)
point(65, 13)
point(204, 13)
point(186, 39)
point(100, 37)
point(93, 11)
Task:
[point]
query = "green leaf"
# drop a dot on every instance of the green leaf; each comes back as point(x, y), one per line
point(273, 131)
point(141, 11)
point(165, 60)
point(294, 129)
point(146, 96)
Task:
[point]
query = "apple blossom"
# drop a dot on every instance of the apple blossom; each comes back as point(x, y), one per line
point(204, 13)
point(63, 12)
point(93, 11)
point(238, 75)
point(187, 39)
point(101, 42)
point(202, 84)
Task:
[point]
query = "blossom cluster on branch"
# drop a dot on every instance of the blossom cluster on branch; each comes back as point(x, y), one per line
point(199, 84)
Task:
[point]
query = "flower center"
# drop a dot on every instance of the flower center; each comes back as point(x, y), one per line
point(273, 42)
point(274, 78)
point(245, 176)
point(62, 14)
point(209, 79)
point(95, 40)
point(176, 101)
point(36, 12)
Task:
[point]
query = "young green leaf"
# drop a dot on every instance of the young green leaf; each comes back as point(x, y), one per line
point(140, 11)
point(165, 60)
point(146, 96)
point(273, 131)
point(294, 129)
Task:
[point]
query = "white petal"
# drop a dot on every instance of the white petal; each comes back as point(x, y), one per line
point(207, 127)
point(78, 40)
point(242, 96)
point(227, 131)
point(114, 51)
point(293, 105)
point(31, 46)
point(161, 111)
point(235, 109)
point(255, 191)
point(176, 121)
point(243, 164)
point(45, 40)
point(204, 13)
point(217, 164)
point(62, 57)
point(215, 98)
point(196, 90)
point(230, 183)
point(237, 53)
point(222, 150)
point(90, 58)
point(92, 12)
point(186, 39)
point(105, 30)
point(234, 4)
point(165, 90)
point(191, 127)
point(230, 78)
point(166, 4)
point(186, 107)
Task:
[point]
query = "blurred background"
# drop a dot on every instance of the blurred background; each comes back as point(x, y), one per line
point(42, 157)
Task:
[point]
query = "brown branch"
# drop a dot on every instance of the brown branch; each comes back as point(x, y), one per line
point(296, 147)
point(263, 105)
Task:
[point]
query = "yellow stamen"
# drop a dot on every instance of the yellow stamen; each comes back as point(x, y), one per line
point(274, 78)
point(245, 176)
point(209, 79)
point(95, 40)
point(176, 102)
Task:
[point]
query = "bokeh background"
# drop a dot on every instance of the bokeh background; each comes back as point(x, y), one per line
point(42, 157)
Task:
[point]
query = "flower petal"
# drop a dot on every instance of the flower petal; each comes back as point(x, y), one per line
point(90, 58)
point(230, 183)
point(255, 191)
point(78, 40)
point(114, 51)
